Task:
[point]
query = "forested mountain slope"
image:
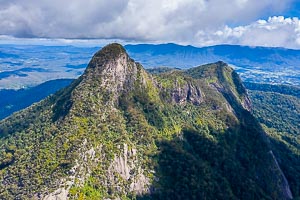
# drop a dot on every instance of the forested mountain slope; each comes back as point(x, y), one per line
point(278, 109)
point(120, 132)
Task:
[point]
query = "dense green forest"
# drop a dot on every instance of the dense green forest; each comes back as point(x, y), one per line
point(278, 111)
point(277, 108)
point(281, 89)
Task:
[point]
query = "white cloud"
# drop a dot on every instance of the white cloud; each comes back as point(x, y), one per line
point(198, 22)
point(277, 31)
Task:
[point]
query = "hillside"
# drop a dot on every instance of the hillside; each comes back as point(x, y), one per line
point(280, 116)
point(118, 132)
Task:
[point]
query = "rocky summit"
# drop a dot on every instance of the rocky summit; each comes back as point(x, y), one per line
point(118, 132)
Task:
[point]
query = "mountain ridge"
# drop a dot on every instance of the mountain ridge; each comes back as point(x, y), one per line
point(113, 131)
point(254, 64)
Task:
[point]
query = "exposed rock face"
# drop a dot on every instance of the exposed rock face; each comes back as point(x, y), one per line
point(286, 191)
point(113, 68)
point(187, 93)
point(128, 167)
point(246, 103)
point(59, 194)
point(120, 165)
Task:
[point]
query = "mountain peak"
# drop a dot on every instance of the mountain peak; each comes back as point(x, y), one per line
point(107, 54)
point(221, 63)
point(110, 71)
point(111, 50)
point(111, 59)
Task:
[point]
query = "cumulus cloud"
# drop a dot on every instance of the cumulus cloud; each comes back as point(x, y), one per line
point(198, 22)
point(277, 31)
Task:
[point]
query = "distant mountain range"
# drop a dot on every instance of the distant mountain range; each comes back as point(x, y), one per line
point(21, 66)
point(254, 64)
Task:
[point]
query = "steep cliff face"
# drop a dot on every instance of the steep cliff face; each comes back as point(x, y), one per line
point(118, 132)
point(114, 71)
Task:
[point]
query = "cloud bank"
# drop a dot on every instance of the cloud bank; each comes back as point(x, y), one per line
point(197, 22)
point(277, 31)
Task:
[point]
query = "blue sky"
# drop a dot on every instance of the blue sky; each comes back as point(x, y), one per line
point(273, 23)
point(293, 10)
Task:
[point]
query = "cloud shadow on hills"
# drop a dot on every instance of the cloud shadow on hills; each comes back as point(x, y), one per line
point(232, 165)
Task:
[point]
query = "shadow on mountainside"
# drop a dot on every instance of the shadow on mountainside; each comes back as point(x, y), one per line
point(289, 163)
point(236, 164)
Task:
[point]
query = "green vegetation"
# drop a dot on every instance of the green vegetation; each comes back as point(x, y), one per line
point(180, 134)
point(279, 114)
point(278, 111)
point(159, 70)
point(281, 89)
